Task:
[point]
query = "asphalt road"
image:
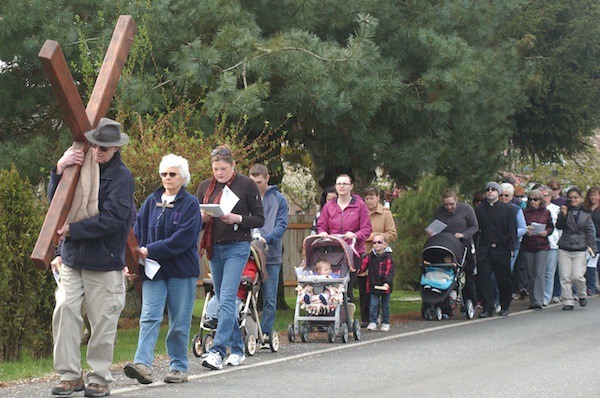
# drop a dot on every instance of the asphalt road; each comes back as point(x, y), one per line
point(548, 353)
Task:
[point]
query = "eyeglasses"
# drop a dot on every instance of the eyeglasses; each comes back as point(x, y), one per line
point(171, 174)
point(574, 197)
point(555, 189)
point(102, 148)
point(505, 195)
point(220, 151)
point(343, 184)
point(490, 189)
point(378, 242)
point(546, 194)
point(534, 199)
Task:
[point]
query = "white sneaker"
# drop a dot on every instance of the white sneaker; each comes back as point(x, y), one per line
point(372, 326)
point(235, 359)
point(385, 327)
point(498, 308)
point(555, 299)
point(213, 361)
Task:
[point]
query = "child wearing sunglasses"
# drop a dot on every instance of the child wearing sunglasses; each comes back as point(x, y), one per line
point(380, 264)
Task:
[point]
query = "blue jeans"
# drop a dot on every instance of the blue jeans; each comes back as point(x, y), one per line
point(374, 308)
point(551, 264)
point(269, 292)
point(226, 265)
point(179, 295)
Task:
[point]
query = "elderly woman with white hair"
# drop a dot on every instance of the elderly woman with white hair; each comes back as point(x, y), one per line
point(168, 227)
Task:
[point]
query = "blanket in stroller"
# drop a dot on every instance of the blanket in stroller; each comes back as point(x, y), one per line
point(321, 303)
point(439, 278)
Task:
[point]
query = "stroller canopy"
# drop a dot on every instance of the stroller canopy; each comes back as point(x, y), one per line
point(441, 245)
point(331, 248)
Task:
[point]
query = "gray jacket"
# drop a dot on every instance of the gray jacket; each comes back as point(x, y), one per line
point(276, 220)
point(577, 235)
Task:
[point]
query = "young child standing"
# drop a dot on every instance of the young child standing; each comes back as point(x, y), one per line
point(380, 264)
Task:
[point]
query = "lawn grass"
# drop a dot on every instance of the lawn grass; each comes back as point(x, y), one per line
point(28, 367)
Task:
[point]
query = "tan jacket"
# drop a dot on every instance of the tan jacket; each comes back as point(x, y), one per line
point(382, 222)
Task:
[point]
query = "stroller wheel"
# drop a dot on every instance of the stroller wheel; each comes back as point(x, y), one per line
point(197, 346)
point(330, 334)
point(438, 314)
point(291, 334)
point(207, 343)
point(250, 343)
point(469, 309)
point(356, 329)
point(344, 331)
point(274, 341)
point(304, 329)
point(429, 314)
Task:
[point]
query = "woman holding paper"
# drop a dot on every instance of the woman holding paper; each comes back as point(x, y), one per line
point(226, 243)
point(167, 228)
point(535, 246)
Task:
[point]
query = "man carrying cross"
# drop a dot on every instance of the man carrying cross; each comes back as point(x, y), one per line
point(91, 261)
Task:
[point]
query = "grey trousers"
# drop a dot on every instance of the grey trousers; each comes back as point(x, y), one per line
point(536, 271)
point(104, 294)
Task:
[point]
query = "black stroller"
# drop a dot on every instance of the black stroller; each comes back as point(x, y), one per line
point(443, 277)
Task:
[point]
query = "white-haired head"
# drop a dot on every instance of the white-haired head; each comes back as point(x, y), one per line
point(177, 162)
point(505, 186)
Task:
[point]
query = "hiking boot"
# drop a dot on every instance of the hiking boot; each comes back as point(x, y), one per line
point(235, 359)
point(96, 390)
point(68, 387)
point(213, 361)
point(138, 371)
point(176, 376)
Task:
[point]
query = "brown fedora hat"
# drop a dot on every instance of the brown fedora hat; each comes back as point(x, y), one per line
point(107, 133)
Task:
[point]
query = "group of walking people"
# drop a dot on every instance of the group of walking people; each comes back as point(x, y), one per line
point(516, 246)
point(90, 257)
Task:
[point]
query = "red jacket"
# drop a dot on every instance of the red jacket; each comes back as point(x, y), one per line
point(354, 218)
point(381, 270)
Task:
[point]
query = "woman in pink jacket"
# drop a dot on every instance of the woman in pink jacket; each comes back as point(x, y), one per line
point(346, 215)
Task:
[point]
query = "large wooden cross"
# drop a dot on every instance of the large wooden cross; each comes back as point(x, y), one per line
point(80, 120)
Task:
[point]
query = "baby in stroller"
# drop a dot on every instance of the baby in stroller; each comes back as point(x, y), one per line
point(323, 302)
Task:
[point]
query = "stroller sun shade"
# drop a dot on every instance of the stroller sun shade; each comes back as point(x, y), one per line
point(441, 245)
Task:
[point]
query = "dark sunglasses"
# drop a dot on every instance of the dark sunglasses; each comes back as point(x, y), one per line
point(574, 197)
point(171, 174)
point(534, 199)
point(490, 189)
point(220, 151)
point(102, 148)
point(378, 242)
point(506, 195)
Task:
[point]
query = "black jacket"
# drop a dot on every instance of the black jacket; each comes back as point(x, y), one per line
point(497, 225)
point(98, 243)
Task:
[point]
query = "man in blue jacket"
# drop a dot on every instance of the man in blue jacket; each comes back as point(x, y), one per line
point(276, 219)
point(91, 261)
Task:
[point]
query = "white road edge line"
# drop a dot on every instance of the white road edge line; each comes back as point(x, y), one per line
point(230, 369)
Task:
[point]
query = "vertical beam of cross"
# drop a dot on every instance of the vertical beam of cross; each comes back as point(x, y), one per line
point(79, 121)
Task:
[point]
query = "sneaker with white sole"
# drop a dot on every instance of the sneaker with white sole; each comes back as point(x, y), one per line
point(235, 359)
point(385, 327)
point(213, 361)
point(372, 326)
